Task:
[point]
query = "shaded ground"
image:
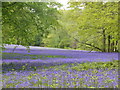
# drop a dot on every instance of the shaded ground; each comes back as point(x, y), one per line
point(76, 55)
point(40, 57)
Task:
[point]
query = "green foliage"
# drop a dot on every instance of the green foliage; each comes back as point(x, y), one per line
point(26, 22)
point(95, 27)
point(96, 65)
point(57, 38)
point(90, 27)
point(88, 65)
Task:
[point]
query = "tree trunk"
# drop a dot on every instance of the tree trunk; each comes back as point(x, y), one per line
point(112, 46)
point(108, 43)
point(116, 46)
point(104, 41)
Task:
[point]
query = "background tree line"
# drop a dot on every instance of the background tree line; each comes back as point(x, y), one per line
point(92, 27)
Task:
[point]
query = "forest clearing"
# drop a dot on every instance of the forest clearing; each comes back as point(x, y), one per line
point(50, 45)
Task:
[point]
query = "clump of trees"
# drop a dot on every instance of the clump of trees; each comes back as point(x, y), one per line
point(96, 25)
point(92, 27)
point(26, 23)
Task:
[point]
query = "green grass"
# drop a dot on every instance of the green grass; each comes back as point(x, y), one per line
point(28, 56)
point(96, 65)
point(89, 65)
point(74, 66)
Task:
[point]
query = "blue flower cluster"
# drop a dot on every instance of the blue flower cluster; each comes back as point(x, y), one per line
point(59, 69)
point(51, 78)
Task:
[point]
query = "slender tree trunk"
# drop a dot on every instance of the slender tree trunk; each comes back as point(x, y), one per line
point(112, 46)
point(119, 46)
point(116, 45)
point(108, 43)
point(104, 41)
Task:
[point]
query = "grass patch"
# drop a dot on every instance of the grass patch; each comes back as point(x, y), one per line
point(28, 56)
point(88, 65)
point(96, 65)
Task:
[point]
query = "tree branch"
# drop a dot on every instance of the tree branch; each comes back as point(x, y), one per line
point(9, 5)
point(87, 44)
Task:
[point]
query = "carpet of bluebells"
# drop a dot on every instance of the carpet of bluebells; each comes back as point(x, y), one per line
point(59, 69)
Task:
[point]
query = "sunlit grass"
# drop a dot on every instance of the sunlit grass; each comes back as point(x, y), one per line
point(28, 56)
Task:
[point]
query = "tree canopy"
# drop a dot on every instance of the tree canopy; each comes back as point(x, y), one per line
point(85, 26)
point(96, 24)
point(24, 22)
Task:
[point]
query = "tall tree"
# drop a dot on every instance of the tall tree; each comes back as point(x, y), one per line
point(24, 22)
point(95, 24)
